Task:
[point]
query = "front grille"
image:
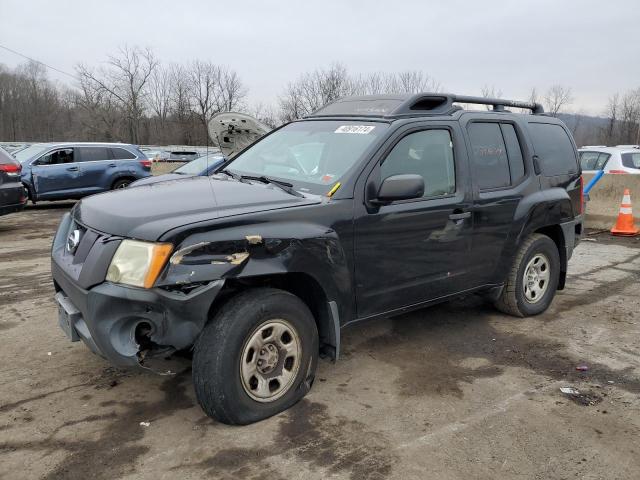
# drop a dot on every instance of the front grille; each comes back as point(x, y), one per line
point(87, 238)
point(83, 253)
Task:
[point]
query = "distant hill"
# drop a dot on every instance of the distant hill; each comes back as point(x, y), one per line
point(586, 129)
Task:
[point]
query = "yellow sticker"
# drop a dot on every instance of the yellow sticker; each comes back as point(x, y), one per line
point(334, 189)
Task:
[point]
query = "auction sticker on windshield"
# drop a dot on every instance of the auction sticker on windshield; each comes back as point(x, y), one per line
point(362, 129)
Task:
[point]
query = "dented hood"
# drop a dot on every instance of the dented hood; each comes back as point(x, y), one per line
point(148, 211)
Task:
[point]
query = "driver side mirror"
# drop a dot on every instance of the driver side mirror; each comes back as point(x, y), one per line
point(400, 187)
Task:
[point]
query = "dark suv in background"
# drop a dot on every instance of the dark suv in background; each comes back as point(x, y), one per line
point(368, 208)
point(12, 193)
point(60, 171)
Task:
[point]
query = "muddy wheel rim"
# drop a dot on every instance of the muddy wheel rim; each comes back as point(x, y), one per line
point(535, 281)
point(270, 360)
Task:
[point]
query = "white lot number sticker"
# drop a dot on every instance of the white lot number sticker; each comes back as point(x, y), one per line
point(361, 129)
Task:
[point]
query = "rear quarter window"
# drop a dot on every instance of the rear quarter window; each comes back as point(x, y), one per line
point(554, 149)
point(631, 160)
point(121, 154)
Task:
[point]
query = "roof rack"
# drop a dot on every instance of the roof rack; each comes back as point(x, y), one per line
point(405, 105)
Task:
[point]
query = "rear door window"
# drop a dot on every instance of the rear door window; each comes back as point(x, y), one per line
point(589, 160)
point(603, 158)
point(554, 149)
point(490, 162)
point(93, 154)
point(121, 154)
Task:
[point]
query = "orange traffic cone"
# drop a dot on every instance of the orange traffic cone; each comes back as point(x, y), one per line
point(625, 224)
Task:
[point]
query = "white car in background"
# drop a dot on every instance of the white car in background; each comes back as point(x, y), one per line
point(620, 159)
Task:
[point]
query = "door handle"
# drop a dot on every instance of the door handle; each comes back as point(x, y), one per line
point(72, 169)
point(112, 165)
point(459, 216)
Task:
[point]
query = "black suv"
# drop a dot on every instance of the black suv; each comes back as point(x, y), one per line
point(370, 207)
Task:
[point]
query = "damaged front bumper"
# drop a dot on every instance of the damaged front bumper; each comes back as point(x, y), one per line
point(124, 324)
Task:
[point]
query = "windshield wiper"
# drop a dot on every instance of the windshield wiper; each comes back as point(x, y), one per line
point(285, 186)
point(235, 176)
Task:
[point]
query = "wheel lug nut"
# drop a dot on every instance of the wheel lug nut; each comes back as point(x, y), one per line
point(259, 363)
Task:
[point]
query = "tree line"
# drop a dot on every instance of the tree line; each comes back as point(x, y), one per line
point(135, 98)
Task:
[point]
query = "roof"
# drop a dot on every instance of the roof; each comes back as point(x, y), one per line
point(412, 105)
point(86, 144)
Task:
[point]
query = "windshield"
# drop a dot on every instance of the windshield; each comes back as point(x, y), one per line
point(311, 155)
point(200, 165)
point(30, 152)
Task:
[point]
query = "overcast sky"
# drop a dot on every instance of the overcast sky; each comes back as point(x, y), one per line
point(591, 46)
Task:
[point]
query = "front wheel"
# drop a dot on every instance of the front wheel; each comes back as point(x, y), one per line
point(533, 278)
point(257, 356)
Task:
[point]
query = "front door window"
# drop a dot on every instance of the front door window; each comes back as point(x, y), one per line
point(57, 157)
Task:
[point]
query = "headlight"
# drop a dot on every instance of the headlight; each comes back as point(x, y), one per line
point(138, 263)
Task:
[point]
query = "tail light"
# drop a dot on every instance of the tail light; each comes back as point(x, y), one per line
point(146, 163)
point(10, 168)
point(617, 171)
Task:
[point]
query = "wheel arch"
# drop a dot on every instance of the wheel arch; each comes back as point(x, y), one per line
point(120, 177)
point(555, 233)
point(303, 286)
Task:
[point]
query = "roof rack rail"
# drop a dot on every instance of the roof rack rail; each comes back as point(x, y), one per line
point(403, 105)
point(498, 104)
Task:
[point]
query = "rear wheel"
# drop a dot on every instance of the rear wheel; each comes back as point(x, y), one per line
point(122, 183)
point(533, 278)
point(257, 356)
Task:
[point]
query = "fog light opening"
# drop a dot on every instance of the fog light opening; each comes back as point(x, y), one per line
point(142, 336)
point(150, 354)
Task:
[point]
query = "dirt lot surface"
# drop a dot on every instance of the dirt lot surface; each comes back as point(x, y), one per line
point(454, 391)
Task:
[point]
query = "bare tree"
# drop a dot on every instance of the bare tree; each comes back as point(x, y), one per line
point(629, 124)
point(101, 114)
point(232, 91)
point(556, 98)
point(266, 114)
point(490, 92)
point(125, 78)
point(611, 113)
point(159, 97)
point(213, 89)
point(31, 106)
point(411, 81)
point(180, 106)
point(314, 90)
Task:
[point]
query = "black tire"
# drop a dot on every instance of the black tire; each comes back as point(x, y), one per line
point(513, 299)
point(218, 351)
point(122, 183)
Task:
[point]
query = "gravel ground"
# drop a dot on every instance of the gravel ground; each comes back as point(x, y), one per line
point(453, 391)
